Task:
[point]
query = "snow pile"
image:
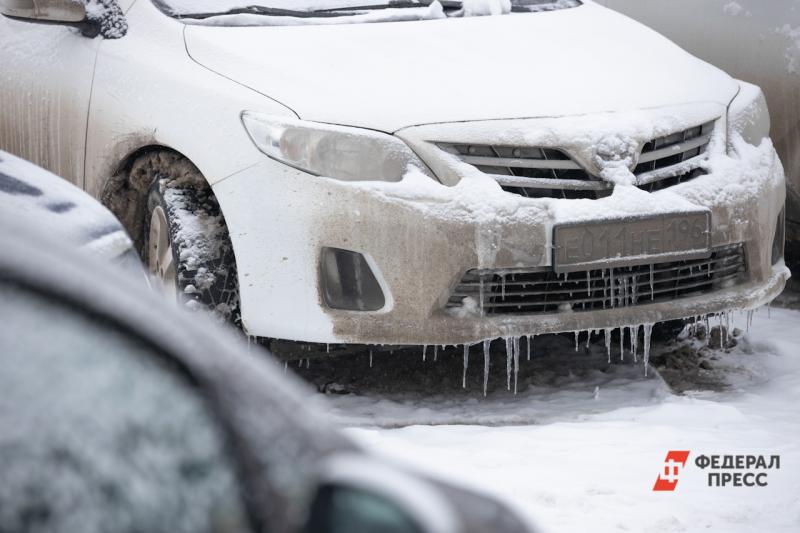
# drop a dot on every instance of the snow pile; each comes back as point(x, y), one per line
point(295, 13)
point(108, 16)
point(591, 455)
point(472, 8)
point(616, 155)
point(431, 12)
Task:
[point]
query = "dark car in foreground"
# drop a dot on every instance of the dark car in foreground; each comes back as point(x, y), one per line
point(120, 413)
point(32, 196)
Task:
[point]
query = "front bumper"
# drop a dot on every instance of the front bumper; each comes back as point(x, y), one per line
point(420, 237)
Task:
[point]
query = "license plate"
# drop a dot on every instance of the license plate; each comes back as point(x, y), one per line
point(631, 241)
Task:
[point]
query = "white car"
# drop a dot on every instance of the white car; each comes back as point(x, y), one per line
point(409, 173)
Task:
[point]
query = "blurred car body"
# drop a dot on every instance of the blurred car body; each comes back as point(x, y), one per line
point(33, 197)
point(120, 413)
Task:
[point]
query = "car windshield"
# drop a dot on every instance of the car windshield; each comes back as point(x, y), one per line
point(296, 12)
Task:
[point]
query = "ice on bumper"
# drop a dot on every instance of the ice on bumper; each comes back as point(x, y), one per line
point(420, 238)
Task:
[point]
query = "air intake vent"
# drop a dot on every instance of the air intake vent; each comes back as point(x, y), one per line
point(551, 173)
point(537, 291)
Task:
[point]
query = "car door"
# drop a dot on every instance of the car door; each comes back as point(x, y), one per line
point(45, 82)
point(103, 433)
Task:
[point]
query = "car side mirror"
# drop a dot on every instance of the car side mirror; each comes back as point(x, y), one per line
point(344, 509)
point(105, 18)
point(359, 493)
point(45, 10)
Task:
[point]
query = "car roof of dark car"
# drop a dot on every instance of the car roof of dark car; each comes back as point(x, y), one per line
point(33, 195)
point(263, 411)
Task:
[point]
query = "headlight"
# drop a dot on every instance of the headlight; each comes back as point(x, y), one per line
point(350, 154)
point(748, 116)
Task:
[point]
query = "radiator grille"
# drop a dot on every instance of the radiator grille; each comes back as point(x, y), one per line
point(536, 291)
point(551, 173)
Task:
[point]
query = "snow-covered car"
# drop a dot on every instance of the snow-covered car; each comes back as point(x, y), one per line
point(410, 172)
point(33, 197)
point(121, 414)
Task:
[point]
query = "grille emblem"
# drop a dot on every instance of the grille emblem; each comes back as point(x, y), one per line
point(616, 151)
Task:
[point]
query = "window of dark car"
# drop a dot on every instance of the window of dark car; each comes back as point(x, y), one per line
point(99, 435)
point(343, 509)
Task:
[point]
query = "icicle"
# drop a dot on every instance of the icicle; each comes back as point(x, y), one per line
point(723, 332)
point(624, 292)
point(634, 331)
point(435, 352)
point(516, 362)
point(577, 333)
point(370, 357)
point(308, 363)
point(327, 348)
point(652, 290)
point(285, 366)
point(749, 320)
point(613, 288)
point(486, 345)
point(648, 329)
point(589, 333)
point(481, 294)
point(424, 349)
point(588, 283)
point(503, 287)
point(466, 364)
point(607, 338)
point(509, 357)
point(530, 339)
point(621, 344)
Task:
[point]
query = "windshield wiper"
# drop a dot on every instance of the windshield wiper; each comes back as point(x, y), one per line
point(260, 10)
point(318, 13)
point(400, 4)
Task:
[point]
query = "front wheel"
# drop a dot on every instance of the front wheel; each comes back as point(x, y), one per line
point(187, 248)
point(161, 255)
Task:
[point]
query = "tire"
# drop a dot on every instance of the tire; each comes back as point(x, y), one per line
point(186, 244)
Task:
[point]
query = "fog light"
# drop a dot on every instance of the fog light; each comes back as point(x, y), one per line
point(780, 237)
point(348, 282)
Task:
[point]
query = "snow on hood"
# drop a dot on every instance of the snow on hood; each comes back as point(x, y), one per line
point(37, 198)
point(397, 74)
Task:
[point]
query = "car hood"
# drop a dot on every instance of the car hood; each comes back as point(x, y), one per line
point(388, 76)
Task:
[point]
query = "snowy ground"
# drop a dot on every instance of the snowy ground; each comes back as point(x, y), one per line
point(583, 441)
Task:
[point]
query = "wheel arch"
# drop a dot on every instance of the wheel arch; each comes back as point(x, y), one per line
point(127, 198)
